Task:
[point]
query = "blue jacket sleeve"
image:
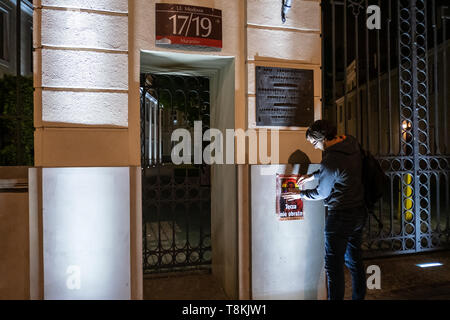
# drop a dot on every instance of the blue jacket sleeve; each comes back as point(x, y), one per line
point(327, 178)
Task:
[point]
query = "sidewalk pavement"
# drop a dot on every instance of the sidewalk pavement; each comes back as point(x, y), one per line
point(400, 278)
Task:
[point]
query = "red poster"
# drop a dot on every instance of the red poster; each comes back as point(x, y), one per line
point(288, 210)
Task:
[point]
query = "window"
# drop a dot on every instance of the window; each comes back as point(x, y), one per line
point(349, 111)
point(3, 35)
point(16, 92)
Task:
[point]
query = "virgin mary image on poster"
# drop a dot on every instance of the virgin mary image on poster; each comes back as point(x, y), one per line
point(292, 209)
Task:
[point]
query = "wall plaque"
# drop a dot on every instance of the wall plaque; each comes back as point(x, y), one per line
point(184, 25)
point(284, 97)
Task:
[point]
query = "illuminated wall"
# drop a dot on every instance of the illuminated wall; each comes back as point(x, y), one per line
point(287, 256)
point(90, 190)
point(86, 228)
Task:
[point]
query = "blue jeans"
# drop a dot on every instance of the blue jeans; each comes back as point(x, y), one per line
point(343, 238)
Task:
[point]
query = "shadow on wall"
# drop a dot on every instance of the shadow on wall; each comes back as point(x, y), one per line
point(313, 274)
point(301, 158)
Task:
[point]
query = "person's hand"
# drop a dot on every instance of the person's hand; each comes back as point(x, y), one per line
point(304, 178)
point(289, 196)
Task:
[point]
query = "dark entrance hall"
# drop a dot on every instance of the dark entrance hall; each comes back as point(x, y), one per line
point(176, 199)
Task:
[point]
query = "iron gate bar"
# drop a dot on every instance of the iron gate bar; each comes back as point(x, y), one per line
point(444, 58)
point(368, 81)
point(345, 63)
point(174, 248)
point(358, 102)
point(436, 87)
point(390, 132)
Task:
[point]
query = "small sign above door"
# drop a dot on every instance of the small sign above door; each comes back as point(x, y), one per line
point(192, 26)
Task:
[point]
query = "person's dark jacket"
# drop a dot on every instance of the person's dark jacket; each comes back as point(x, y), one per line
point(340, 183)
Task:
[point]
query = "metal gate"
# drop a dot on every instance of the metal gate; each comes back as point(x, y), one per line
point(176, 200)
point(389, 88)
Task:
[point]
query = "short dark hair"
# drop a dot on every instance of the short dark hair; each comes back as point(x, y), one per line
point(321, 130)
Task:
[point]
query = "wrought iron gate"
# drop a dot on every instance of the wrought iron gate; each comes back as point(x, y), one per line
point(389, 88)
point(176, 200)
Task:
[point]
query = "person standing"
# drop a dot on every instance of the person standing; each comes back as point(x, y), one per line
point(340, 186)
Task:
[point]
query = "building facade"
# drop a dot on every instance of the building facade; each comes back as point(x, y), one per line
point(87, 191)
point(105, 202)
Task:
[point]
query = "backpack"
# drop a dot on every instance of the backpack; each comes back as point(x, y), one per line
point(374, 179)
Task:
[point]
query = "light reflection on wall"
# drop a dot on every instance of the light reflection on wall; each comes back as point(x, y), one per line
point(84, 60)
point(86, 222)
point(87, 108)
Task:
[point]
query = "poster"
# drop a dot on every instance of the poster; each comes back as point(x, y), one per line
point(288, 210)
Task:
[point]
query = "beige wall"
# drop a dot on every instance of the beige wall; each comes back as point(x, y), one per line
point(294, 44)
point(81, 81)
point(14, 246)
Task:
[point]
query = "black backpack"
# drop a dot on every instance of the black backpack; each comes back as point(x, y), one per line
point(374, 179)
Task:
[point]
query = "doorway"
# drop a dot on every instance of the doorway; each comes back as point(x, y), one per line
point(189, 211)
point(176, 199)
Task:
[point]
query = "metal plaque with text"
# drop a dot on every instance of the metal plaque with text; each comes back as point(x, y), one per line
point(284, 97)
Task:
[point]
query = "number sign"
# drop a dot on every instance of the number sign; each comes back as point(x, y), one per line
point(178, 24)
